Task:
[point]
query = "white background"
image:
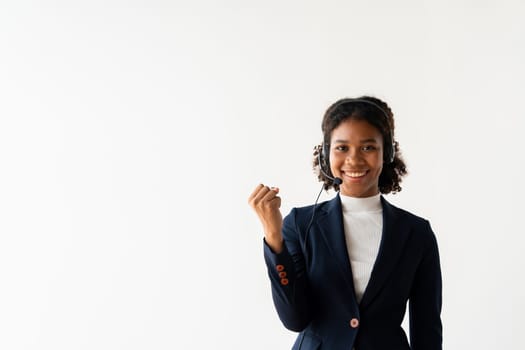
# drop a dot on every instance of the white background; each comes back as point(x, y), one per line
point(132, 133)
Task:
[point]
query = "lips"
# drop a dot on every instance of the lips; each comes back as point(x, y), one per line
point(355, 174)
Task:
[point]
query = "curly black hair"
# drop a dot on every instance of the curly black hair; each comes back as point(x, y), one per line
point(378, 114)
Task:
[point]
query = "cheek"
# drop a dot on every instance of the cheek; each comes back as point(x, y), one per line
point(377, 164)
point(336, 161)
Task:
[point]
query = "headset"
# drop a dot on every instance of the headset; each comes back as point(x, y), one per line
point(323, 154)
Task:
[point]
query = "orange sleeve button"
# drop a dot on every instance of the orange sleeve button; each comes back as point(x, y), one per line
point(354, 323)
point(284, 281)
point(282, 274)
point(279, 267)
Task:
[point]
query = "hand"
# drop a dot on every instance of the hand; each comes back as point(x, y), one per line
point(266, 203)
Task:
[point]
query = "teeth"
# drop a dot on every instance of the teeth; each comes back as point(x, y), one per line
point(356, 174)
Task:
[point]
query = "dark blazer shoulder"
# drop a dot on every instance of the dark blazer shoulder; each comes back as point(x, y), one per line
point(403, 213)
point(304, 214)
point(419, 224)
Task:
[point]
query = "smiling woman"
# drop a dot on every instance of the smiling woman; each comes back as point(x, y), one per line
point(373, 121)
point(343, 271)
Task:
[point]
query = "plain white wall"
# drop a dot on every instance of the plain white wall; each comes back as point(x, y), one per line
point(132, 133)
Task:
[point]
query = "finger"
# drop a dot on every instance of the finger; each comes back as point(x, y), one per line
point(270, 195)
point(255, 191)
point(275, 202)
point(260, 195)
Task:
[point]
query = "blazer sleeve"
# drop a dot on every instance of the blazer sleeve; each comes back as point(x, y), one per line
point(288, 278)
point(425, 299)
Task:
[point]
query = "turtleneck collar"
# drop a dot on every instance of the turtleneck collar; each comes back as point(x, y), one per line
point(367, 204)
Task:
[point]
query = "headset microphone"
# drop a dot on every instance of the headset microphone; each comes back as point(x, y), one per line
point(336, 180)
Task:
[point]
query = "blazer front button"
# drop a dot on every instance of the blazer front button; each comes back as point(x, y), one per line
point(354, 323)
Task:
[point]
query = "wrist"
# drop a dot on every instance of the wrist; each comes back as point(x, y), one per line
point(275, 243)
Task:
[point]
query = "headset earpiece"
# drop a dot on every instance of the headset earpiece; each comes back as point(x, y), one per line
point(326, 156)
point(324, 161)
point(390, 152)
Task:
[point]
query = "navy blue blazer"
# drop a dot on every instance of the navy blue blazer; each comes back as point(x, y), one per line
point(314, 292)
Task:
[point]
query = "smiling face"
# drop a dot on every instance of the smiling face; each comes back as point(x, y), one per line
point(356, 156)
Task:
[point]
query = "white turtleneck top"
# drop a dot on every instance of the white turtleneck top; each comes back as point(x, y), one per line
point(363, 226)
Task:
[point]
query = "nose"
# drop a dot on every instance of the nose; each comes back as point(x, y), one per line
point(353, 156)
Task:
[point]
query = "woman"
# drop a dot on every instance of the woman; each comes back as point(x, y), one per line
point(343, 271)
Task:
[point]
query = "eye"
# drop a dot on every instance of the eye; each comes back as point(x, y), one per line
point(341, 148)
point(369, 148)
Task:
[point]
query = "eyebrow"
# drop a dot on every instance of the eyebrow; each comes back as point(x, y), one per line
point(362, 141)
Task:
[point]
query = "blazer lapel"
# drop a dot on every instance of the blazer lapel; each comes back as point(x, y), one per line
point(394, 235)
point(330, 223)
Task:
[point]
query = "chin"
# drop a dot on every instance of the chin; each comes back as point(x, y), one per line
point(357, 192)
